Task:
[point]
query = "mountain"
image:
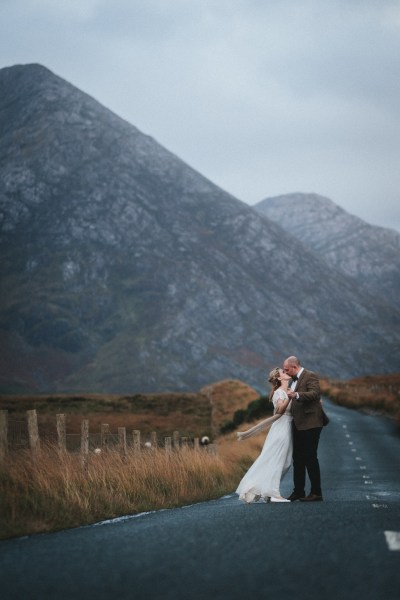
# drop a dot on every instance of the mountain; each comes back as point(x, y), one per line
point(369, 254)
point(123, 269)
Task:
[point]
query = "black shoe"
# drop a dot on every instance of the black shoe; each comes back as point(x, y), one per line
point(312, 498)
point(295, 496)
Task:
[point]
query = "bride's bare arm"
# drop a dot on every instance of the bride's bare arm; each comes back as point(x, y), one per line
point(281, 406)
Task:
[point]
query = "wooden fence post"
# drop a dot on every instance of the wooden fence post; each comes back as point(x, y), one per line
point(33, 432)
point(184, 443)
point(175, 439)
point(168, 446)
point(122, 440)
point(153, 440)
point(104, 436)
point(3, 435)
point(61, 433)
point(196, 444)
point(84, 444)
point(136, 441)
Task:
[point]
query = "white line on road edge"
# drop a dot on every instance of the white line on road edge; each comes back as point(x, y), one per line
point(151, 512)
point(393, 539)
point(125, 518)
point(380, 506)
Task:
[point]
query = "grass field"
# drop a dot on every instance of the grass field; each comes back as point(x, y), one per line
point(192, 414)
point(54, 492)
point(372, 393)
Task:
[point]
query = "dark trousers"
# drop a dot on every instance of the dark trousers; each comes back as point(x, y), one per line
point(305, 446)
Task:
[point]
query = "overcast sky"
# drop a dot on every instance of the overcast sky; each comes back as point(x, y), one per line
point(263, 97)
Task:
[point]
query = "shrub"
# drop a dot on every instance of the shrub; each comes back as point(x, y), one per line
point(256, 409)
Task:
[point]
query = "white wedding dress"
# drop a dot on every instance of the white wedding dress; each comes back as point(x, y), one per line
point(263, 478)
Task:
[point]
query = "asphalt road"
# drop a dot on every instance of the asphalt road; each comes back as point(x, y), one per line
point(223, 549)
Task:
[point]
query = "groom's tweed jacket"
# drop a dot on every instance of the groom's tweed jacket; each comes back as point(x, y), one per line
point(307, 410)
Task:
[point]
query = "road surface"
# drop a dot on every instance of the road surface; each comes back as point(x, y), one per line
point(347, 547)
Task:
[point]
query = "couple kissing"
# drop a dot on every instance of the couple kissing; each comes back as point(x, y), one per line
point(294, 434)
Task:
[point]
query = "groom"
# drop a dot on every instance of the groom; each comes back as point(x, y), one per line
point(307, 425)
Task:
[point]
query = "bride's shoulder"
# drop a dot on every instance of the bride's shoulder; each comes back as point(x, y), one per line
point(279, 395)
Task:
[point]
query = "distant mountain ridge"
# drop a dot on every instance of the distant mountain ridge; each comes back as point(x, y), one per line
point(367, 253)
point(123, 269)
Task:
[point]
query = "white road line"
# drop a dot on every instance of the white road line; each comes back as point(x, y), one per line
point(357, 458)
point(393, 539)
point(348, 435)
point(351, 443)
point(366, 476)
point(380, 506)
point(368, 482)
point(344, 426)
point(363, 467)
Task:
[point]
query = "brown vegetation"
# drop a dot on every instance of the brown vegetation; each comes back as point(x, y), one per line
point(53, 492)
point(228, 396)
point(377, 393)
point(192, 414)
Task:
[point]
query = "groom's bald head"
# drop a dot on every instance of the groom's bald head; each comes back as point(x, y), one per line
point(292, 361)
point(291, 365)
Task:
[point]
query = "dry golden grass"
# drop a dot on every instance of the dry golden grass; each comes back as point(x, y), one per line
point(378, 393)
point(241, 453)
point(188, 413)
point(192, 414)
point(54, 492)
point(228, 396)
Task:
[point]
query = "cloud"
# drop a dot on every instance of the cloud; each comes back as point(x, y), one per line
point(263, 97)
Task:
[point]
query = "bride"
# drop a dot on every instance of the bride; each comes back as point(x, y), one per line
point(264, 476)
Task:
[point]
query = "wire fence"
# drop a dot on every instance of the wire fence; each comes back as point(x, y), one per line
point(18, 438)
point(29, 434)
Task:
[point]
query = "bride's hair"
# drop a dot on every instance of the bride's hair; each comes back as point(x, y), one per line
point(273, 379)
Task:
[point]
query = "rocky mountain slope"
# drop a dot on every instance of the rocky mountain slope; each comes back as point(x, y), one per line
point(123, 269)
point(369, 254)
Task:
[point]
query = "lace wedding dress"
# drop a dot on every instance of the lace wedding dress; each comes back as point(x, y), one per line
point(263, 478)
